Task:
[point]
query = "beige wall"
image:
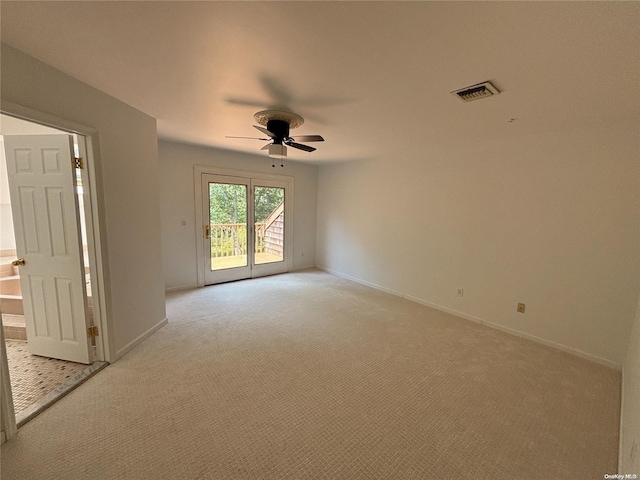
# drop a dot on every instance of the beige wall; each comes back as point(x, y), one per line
point(550, 220)
point(127, 164)
point(177, 199)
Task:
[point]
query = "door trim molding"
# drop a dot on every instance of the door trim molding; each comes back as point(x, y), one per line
point(198, 170)
point(97, 244)
point(31, 115)
point(8, 420)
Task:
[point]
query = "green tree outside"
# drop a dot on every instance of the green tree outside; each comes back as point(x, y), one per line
point(228, 205)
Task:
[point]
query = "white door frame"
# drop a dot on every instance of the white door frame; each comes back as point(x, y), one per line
point(94, 216)
point(198, 170)
point(239, 272)
point(7, 414)
point(96, 245)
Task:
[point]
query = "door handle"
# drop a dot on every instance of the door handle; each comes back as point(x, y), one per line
point(18, 262)
point(207, 231)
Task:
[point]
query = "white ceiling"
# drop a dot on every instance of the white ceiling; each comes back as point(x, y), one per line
point(372, 77)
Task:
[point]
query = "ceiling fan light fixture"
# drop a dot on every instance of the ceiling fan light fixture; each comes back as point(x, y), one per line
point(277, 151)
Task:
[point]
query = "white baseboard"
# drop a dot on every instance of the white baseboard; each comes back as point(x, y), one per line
point(361, 282)
point(182, 287)
point(466, 316)
point(306, 267)
point(137, 341)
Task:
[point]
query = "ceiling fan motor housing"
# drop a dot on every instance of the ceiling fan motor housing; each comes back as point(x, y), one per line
point(280, 129)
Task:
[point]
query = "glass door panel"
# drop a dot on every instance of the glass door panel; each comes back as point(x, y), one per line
point(269, 224)
point(247, 227)
point(228, 221)
point(228, 246)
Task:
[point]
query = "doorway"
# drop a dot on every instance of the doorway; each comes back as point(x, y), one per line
point(246, 225)
point(47, 264)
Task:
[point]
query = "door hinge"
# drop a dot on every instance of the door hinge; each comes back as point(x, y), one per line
point(78, 162)
point(92, 331)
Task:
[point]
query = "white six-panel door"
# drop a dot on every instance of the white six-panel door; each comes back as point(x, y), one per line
point(46, 222)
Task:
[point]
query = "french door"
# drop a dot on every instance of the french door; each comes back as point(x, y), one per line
point(246, 228)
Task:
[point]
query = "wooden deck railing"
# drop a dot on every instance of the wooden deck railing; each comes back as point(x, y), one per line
point(230, 239)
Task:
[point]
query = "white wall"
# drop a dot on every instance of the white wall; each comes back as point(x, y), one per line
point(177, 200)
point(127, 165)
point(550, 220)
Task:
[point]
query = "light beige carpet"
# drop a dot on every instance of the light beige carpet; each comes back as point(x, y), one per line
point(307, 375)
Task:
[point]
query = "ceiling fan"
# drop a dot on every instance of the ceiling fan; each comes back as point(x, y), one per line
point(276, 125)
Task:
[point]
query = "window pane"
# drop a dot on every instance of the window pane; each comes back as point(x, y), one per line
point(228, 219)
point(269, 224)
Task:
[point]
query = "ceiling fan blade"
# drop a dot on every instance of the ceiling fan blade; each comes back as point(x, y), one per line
point(249, 138)
point(265, 131)
point(266, 147)
point(308, 138)
point(300, 146)
point(246, 102)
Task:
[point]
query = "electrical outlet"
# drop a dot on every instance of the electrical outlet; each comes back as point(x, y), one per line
point(520, 308)
point(459, 292)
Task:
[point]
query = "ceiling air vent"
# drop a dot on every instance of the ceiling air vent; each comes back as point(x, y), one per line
point(476, 92)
